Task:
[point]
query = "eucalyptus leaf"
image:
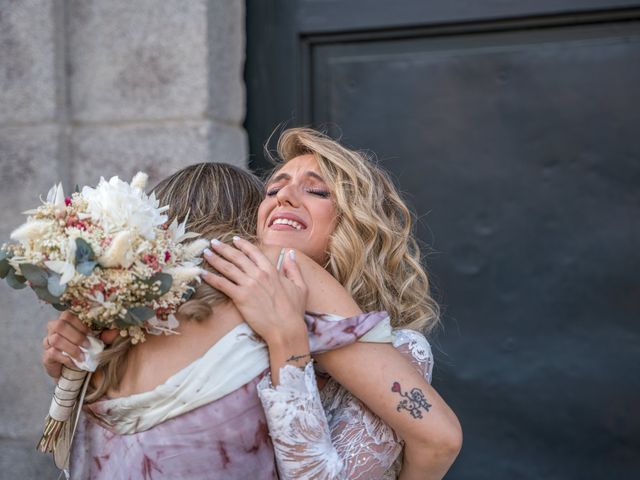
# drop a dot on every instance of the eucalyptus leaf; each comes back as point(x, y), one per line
point(141, 314)
point(15, 281)
point(36, 275)
point(165, 280)
point(84, 252)
point(188, 294)
point(53, 285)
point(43, 294)
point(85, 268)
point(4, 267)
point(61, 307)
point(123, 322)
point(135, 316)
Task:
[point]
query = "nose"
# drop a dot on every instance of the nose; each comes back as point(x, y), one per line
point(288, 195)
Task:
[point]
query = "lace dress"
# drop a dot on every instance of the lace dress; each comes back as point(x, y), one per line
point(330, 434)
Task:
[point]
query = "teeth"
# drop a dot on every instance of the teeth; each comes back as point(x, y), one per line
point(286, 221)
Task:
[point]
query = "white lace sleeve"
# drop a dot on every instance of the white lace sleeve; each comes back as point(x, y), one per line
point(331, 434)
point(414, 346)
point(298, 426)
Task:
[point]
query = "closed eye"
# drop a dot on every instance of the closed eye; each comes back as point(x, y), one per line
point(319, 193)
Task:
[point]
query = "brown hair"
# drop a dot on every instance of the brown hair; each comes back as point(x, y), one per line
point(372, 252)
point(219, 201)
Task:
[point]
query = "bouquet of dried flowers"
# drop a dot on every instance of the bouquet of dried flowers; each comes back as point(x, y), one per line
point(108, 255)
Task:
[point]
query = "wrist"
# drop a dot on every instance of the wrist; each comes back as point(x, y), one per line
point(287, 336)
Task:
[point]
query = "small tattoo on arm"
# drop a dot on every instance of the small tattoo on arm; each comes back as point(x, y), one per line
point(413, 401)
point(295, 358)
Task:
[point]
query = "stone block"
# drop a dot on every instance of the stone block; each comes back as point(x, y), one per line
point(29, 168)
point(27, 71)
point(226, 60)
point(228, 144)
point(19, 459)
point(157, 149)
point(138, 60)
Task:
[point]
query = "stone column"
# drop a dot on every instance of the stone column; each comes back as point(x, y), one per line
point(90, 88)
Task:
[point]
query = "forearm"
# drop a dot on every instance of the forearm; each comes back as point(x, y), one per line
point(387, 383)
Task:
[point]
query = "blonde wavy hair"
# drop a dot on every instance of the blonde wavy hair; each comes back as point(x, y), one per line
point(373, 252)
point(219, 201)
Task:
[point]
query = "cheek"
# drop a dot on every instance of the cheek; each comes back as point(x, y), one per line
point(329, 221)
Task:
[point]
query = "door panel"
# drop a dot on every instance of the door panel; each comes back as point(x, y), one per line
point(514, 139)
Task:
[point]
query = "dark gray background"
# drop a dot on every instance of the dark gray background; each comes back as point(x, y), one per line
point(512, 128)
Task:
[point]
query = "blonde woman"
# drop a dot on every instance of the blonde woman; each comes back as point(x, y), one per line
point(343, 211)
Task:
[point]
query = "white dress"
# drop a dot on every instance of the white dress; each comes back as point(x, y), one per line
point(330, 434)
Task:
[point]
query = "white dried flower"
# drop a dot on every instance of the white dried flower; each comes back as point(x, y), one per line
point(119, 253)
point(140, 181)
point(195, 249)
point(66, 267)
point(185, 273)
point(32, 230)
point(116, 206)
point(56, 196)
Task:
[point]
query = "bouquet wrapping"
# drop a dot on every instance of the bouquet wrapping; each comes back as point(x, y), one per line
point(109, 256)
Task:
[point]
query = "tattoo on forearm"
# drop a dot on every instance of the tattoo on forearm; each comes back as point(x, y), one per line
point(295, 358)
point(413, 402)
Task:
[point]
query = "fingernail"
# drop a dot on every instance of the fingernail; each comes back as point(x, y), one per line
point(292, 255)
point(236, 238)
point(215, 242)
point(207, 252)
point(86, 344)
point(203, 272)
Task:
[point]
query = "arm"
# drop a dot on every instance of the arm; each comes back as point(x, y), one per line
point(371, 372)
point(375, 373)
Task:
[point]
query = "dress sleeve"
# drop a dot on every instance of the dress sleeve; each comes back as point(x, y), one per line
point(333, 435)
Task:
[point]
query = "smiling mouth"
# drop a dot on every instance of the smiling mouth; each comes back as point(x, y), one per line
point(286, 224)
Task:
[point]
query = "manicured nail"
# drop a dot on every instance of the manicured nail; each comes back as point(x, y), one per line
point(292, 255)
point(215, 242)
point(236, 238)
point(207, 252)
point(203, 272)
point(86, 344)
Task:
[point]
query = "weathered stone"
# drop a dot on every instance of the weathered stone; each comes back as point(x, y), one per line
point(20, 460)
point(152, 86)
point(27, 73)
point(228, 145)
point(29, 169)
point(138, 60)
point(226, 60)
point(157, 149)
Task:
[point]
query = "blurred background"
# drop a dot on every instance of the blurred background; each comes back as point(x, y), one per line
point(511, 127)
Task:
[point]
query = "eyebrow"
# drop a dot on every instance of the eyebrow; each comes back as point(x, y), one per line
point(286, 176)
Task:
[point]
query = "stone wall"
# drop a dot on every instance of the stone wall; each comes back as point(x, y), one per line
point(90, 88)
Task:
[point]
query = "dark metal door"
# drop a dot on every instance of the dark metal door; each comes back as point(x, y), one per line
point(513, 128)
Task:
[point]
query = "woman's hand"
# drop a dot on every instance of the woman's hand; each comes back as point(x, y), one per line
point(67, 334)
point(271, 302)
point(64, 334)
